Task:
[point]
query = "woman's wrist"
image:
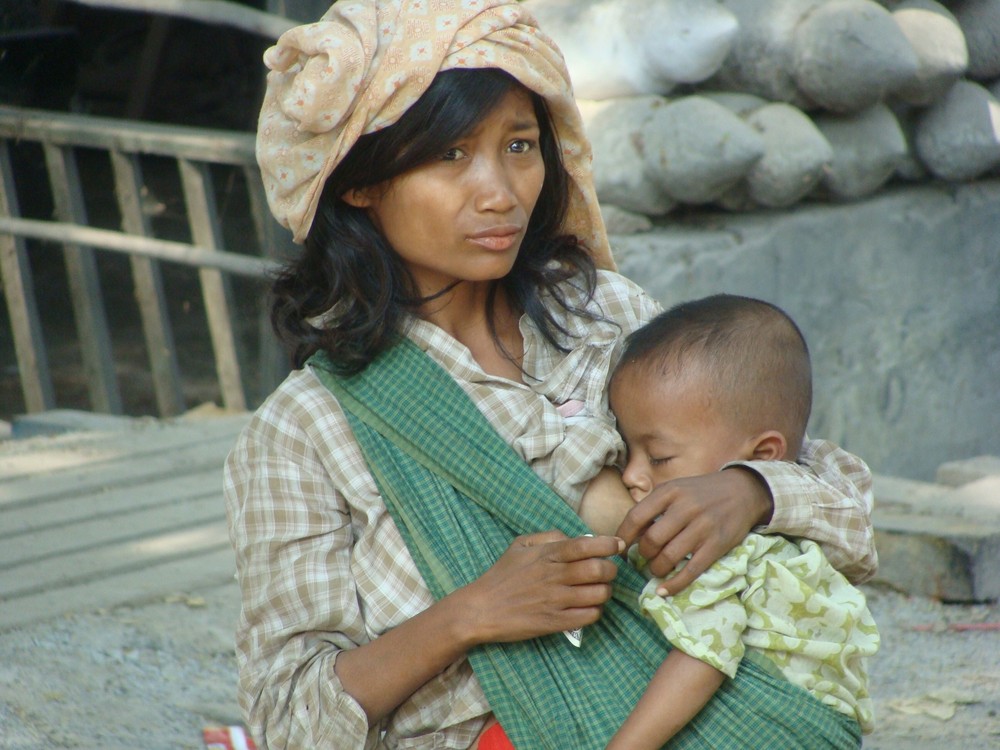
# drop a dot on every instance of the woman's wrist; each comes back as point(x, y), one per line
point(463, 621)
point(759, 501)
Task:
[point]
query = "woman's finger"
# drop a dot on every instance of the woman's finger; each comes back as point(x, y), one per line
point(590, 570)
point(589, 596)
point(586, 547)
point(539, 538)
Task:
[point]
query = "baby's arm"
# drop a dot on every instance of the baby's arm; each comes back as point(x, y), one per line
point(680, 688)
point(605, 502)
point(704, 624)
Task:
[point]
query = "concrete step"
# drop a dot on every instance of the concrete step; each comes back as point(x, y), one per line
point(100, 513)
point(941, 539)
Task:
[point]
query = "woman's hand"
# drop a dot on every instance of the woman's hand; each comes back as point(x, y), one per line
point(704, 516)
point(544, 583)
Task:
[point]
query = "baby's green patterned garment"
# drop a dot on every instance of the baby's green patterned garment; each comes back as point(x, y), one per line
point(783, 599)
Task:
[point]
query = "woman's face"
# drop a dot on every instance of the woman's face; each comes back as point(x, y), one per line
point(463, 216)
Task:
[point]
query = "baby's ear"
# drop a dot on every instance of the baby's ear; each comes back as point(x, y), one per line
point(769, 446)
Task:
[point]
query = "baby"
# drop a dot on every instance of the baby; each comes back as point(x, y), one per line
point(719, 380)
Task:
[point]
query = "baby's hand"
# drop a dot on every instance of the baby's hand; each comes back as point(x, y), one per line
point(605, 502)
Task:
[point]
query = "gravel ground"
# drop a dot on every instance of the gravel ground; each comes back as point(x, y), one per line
point(153, 676)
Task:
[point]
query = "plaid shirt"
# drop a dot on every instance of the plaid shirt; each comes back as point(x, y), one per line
point(322, 566)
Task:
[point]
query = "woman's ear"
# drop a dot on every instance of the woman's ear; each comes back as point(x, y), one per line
point(357, 197)
point(768, 446)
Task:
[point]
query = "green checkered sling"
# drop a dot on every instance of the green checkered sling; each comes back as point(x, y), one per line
point(459, 495)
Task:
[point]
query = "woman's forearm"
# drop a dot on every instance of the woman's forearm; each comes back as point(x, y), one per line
point(383, 673)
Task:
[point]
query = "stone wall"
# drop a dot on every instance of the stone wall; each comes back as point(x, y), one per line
point(762, 103)
point(899, 297)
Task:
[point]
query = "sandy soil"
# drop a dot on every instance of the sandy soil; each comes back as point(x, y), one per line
point(153, 676)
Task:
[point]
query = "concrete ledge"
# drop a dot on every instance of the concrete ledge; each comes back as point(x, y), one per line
point(939, 540)
point(957, 473)
point(58, 421)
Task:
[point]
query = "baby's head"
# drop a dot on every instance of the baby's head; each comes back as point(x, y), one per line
point(720, 379)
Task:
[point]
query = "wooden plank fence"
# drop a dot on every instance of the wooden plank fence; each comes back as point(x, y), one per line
point(128, 150)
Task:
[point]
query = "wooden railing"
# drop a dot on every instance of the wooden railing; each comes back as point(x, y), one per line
point(74, 211)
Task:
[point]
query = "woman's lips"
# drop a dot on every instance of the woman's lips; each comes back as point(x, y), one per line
point(497, 238)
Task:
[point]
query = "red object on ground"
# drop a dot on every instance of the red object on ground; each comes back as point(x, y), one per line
point(495, 738)
point(227, 738)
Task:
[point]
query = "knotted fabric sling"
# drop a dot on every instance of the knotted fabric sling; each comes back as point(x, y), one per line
point(459, 495)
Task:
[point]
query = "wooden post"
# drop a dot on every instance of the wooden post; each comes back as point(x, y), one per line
point(274, 242)
point(85, 288)
point(15, 271)
point(203, 219)
point(148, 289)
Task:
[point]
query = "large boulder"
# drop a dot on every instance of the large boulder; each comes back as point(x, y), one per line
point(868, 147)
point(980, 22)
point(796, 156)
point(616, 128)
point(850, 54)
point(761, 61)
point(939, 44)
point(697, 150)
point(957, 137)
point(617, 48)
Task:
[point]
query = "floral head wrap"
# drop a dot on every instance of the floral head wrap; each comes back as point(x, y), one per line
point(365, 62)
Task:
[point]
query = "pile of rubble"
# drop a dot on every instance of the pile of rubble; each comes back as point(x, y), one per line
point(763, 103)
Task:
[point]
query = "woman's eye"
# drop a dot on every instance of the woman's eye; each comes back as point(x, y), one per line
point(521, 146)
point(452, 154)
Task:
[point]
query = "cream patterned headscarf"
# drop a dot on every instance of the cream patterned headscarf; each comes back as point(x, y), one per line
point(365, 62)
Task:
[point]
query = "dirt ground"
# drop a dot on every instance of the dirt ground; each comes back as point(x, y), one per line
point(153, 676)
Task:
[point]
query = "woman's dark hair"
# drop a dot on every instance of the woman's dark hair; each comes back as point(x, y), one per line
point(354, 282)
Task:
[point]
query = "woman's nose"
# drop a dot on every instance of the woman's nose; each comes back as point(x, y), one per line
point(494, 187)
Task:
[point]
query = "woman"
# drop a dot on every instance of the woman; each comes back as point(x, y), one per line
point(431, 158)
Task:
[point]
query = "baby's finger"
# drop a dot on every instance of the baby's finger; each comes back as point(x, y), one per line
point(665, 556)
point(698, 563)
point(636, 522)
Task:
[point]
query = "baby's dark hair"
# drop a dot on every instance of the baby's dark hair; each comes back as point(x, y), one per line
point(749, 353)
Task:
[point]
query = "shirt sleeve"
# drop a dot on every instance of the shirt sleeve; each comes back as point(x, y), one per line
point(827, 497)
point(707, 619)
point(291, 532)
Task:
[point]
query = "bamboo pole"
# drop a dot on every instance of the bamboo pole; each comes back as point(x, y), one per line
point(106, 239)
point(216, 12)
